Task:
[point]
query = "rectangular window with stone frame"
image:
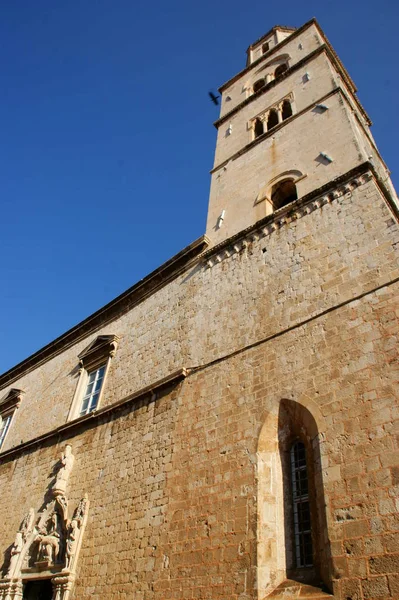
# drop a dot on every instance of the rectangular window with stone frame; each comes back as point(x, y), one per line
point(8, 406)
point(94, 366)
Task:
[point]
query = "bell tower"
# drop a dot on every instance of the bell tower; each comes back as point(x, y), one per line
point(290, 123)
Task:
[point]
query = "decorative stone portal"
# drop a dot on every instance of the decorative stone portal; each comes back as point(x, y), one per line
point(44, 555)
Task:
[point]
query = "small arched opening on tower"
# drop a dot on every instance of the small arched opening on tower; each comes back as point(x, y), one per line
point(286, 110)
point(258, 128)
point(272, 119)
point(280, 70)
point(265, 47)
point(258, 85)
point(284, 192)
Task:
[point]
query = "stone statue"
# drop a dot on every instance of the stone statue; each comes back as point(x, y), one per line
point(27, 523)
point(67, 460)
point(49, 546)
point(15, 552)
point(49, 542)
point(81, 509)
point(71, 542)
point(20, 539)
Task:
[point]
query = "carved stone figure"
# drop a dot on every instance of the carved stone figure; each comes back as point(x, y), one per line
point(71, 542)
point(48, 548)
point(67, 460)
point(49, 542)
point(27, 523)
point(15, 552)
point(20, 539)
point(81, 509)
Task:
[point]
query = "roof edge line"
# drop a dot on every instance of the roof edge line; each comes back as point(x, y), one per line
point(169, 380)
point(133, 295)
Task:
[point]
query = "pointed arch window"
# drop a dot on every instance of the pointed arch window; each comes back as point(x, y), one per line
point(301, 506)
point(272, 119)
point(258, 128)
point(286, 111)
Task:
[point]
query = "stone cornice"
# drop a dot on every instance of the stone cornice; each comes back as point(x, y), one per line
point(70, 428)
point(11, 401)
point(100, 349)
point(272, 131)
point(325, 48)
point(292, 212)
point(266, 35)
point(126, 301)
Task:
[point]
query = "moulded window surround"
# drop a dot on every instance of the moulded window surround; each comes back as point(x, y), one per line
point(273, 116)
point(94, 383)
point(275, 195)
point(8, 406)
point(284, 192)
point(291, 504)
point(5, 421)
point(94, 366)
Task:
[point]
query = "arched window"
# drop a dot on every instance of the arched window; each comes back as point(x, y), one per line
point(283, 193)
point(272, 119)
point(280, 70)
point(293, 547)
point(286, 110)
point(258, 85)
point(301, 506)
point(265, 47)
point(258, 128)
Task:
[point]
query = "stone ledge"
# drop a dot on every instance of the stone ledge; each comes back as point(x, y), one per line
point(68, 428)
point(326, 49)
point(276, 128)
point(294, 589)
point(278, 47)
point(147, 286)
point(292, 212)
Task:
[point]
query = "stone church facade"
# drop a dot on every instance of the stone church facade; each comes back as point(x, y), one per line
point(228, 427)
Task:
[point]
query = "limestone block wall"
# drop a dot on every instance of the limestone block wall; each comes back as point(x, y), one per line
point(236, 187)
point(308, 266)
point(174, 483)
point(304, 94)
point(310, 39)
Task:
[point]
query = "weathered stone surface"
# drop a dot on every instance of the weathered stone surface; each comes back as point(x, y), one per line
point(288, 331)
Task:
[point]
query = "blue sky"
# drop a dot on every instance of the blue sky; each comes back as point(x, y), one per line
point(107, 137)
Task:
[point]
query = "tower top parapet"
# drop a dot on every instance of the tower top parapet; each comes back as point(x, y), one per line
point(290, 123)
point(274, 36)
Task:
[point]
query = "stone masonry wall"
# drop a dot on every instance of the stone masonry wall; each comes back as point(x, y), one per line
point(173, 482)
point(305, 93)
point(238, 90)
point(236, 187)
point(326, 257)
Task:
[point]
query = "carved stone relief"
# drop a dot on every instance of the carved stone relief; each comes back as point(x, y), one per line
point(47, 544)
